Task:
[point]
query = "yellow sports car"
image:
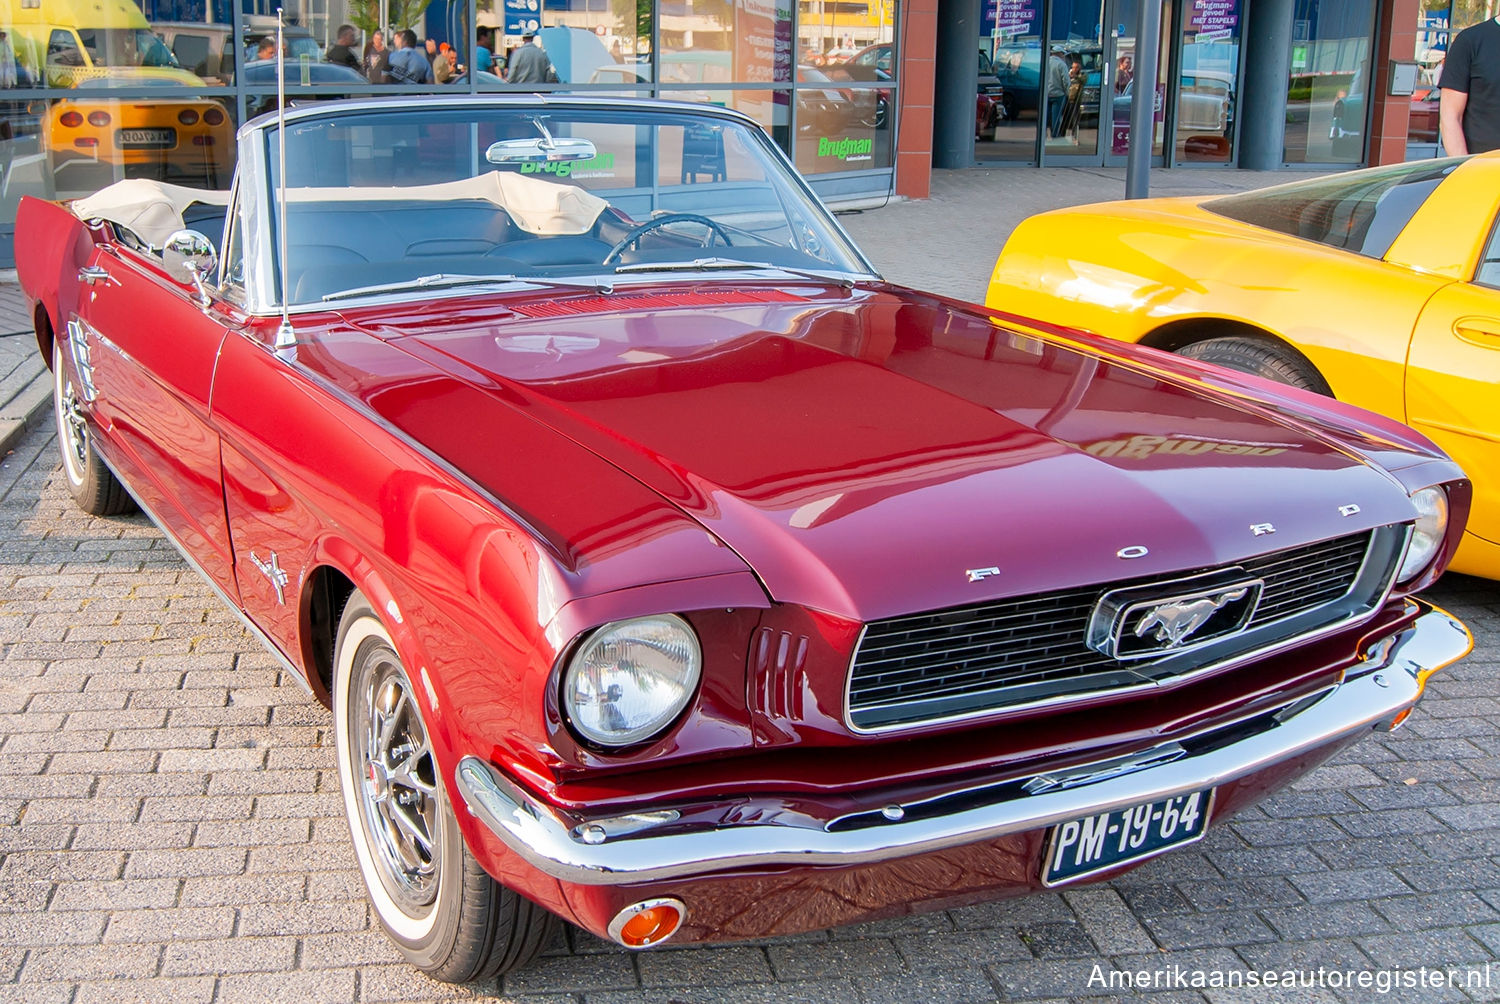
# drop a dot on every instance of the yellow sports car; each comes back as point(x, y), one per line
point(1380, 287)
point(177, 138)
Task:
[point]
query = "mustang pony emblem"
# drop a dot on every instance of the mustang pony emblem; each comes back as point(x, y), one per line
point(1172, 623)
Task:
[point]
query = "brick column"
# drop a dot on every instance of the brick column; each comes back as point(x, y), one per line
point(914, 79)
point(1391, 114)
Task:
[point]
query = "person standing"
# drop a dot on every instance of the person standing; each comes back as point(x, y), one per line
point(1469, 106)
point(1057, 91)
point(377, 60)
point(484, 57)
point(408, 63)
point(342, 50)
point(530, 64)
point(442, 64)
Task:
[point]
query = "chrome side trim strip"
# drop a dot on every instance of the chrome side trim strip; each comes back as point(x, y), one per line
point(182, 551)
point(544, 836)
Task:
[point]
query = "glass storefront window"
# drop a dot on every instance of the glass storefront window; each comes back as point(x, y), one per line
point(840, 128)
point(1330, 80)
point(1206, 91)
point(1013, 31)
point(155, 88)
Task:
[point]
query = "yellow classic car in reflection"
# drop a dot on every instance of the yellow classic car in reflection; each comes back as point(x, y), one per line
point(1380, 287)
point(180, 138)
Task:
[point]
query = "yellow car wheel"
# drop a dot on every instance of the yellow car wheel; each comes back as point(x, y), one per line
point(1260, 357)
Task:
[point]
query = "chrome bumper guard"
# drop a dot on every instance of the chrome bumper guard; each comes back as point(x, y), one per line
point(623, 849)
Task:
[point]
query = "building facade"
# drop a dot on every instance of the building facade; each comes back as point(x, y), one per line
point(865, 96)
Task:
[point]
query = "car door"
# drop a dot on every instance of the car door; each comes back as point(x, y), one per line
point(152, 349)
point(1451, 376)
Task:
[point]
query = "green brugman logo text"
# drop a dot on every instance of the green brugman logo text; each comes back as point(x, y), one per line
point(843, 148)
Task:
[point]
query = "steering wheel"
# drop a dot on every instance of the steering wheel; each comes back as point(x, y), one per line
point(656, 223)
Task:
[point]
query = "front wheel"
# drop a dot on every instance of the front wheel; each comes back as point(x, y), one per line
point(91, 483)
point(446, 914)
point(1259, 356)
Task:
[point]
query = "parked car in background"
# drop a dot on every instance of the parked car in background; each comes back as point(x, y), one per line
point(65, 42)
point(1424, 123)
point(874, 63)
point(177, 138)
point(1205, 102)
point(668, 572)
point(204, 48)
point(1379, 287)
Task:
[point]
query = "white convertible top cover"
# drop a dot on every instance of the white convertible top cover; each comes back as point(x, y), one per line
point(538, 206)
point(152, 210)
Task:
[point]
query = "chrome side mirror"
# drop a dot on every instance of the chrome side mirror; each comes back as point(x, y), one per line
point(190, 259)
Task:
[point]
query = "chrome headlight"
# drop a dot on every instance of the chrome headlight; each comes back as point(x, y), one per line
point(1427, 535)
point(631, 678)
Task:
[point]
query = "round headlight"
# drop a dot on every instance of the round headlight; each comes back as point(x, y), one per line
point(631, 678)
point(1427, 535)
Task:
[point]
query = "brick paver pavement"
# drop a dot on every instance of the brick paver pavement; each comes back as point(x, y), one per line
point(172, 830)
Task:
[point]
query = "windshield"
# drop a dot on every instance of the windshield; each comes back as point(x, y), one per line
point(377, 198)
point(125, 47)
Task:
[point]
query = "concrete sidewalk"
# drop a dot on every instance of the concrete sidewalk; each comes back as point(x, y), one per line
point(946, 244)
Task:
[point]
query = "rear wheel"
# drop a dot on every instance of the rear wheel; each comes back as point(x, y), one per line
point(1258, 356)
point(92, 484)
point(445, 913)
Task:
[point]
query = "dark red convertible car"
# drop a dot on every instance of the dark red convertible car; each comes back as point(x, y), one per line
point(668, 572)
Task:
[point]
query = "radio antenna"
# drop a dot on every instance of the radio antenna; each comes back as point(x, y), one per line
point(285, 337)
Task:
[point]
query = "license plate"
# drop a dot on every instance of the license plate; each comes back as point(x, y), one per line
point(148, 137)
point(1082, 847)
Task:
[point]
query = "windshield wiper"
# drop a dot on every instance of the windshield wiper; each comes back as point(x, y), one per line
point(447, 280)
point(716, 263)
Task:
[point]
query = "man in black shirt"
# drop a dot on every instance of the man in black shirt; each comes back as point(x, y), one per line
point(1470, 107)
point(342, 51)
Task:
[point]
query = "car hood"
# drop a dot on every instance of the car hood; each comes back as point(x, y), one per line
point(872, 451)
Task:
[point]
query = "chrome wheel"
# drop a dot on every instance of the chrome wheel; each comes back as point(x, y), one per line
point(399, 802)
point(93, 485)
point(73, 432)
point(448, 917)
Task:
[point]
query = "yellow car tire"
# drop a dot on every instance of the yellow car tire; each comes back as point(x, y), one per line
point(1260, 357)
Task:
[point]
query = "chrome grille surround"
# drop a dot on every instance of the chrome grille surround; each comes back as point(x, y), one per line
point(1029, 651)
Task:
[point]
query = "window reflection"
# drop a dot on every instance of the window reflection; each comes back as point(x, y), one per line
point(1330, 75)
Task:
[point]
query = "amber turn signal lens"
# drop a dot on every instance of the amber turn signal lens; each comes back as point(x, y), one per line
point(650, 923)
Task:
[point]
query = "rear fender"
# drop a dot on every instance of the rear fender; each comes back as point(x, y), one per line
point(51, 246)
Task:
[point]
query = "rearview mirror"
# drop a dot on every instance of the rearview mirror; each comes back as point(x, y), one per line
point(189, 258)
point(540, 150)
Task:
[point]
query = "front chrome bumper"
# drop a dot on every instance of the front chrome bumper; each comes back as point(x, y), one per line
point(651, 846)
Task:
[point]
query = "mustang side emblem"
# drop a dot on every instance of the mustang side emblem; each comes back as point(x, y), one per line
point(1173, 623)
point(980, 574)
point(274, 572)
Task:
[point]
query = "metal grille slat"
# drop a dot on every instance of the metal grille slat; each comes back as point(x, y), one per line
point(995, 651)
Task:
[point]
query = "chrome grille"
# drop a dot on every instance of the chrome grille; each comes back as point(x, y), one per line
point(969, 659)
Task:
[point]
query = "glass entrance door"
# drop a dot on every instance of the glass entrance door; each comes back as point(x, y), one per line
point(1088, 79)
point(1124, 81)
point(1073, 78)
